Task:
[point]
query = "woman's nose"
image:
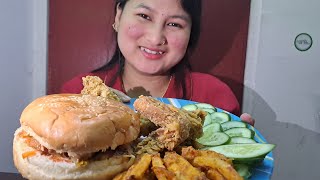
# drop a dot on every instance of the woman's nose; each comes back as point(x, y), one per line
point(156, 36)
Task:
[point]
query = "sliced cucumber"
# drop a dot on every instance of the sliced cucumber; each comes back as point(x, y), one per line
point(243, 151)
point(220, 117)
point(208, 110)
point(240, 132)
point(207, 120)
point(205, 106)
point(232, 124)
point(241, 140)
point(190, 107)
point(213, 127)
point(213, 139)
point(243, 170)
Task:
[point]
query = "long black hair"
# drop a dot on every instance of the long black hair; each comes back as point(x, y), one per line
point(194, 9)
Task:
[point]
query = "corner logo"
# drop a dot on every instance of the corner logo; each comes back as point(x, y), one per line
point(303, 42)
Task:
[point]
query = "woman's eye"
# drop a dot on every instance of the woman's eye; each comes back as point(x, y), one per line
point(144, 16)
point(175, 25)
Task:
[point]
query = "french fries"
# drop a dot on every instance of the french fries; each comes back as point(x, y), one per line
point(223, 167)
point(137, 170)
point(160, 170)
point(214, 174)
point(191, 164)
point(190, 153)
point(181, 167)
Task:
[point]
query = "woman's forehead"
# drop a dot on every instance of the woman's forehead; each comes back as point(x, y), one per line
point(157, 5)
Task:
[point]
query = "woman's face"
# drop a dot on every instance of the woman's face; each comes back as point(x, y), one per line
point(153, 35)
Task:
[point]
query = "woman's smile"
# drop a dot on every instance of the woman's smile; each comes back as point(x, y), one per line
point(152, 54)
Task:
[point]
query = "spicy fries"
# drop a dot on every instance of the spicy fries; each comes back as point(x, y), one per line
point(191, 164)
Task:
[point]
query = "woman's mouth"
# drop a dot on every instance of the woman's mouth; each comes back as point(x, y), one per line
point(151, 53)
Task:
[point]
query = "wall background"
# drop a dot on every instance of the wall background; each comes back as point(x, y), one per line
point(282, 89)
point(23, 67)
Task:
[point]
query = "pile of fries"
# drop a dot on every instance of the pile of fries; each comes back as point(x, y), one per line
point(190, 164)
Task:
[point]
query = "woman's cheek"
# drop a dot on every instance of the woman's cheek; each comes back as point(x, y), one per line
point(134, 31)
point(179, 42)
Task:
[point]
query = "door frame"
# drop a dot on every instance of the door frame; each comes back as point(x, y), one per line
point(39, 47)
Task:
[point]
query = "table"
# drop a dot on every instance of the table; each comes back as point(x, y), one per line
point(10, 176)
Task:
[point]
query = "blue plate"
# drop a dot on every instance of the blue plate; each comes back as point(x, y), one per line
point(260, 172)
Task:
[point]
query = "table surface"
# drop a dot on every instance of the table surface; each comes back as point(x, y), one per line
point(10, 176)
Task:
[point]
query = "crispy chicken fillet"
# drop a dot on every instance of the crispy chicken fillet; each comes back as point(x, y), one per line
point(94, 85)
point(175, 125)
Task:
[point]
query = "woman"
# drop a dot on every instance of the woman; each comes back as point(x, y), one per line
point(154, 41)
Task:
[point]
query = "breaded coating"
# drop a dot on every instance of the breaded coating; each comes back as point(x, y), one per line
point(94, 85)
point(175, 125)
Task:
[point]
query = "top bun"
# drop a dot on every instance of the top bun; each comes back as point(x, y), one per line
point(79, 124)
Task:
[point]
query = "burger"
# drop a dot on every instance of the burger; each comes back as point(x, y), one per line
point(74, 136)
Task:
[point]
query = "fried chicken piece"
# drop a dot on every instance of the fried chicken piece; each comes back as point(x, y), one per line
point(149, 145)
point(94, 85)
point(196, 118)
point(175, 125)
point(146, 126)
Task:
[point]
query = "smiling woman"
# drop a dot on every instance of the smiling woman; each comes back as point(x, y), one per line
point(153, 35)
point(155, 39)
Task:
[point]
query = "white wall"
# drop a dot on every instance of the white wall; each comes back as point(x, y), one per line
point(282, 84)
point(22, 65)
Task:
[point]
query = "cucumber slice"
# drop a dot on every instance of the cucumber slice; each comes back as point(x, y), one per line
point(209, 110)
point(240, 132)
point(243, 151)
point(213, 138)
point(190, 107)
point(207, 120)
point(220, 117)
point(204, 106)
point(241, 140)
point(232, 124)
point(214, 127)
point(243, 170)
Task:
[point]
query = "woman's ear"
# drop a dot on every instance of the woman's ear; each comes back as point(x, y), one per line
point(118, 16)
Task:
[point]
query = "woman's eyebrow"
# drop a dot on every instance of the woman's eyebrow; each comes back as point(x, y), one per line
point(185, 18)
point(141, 5)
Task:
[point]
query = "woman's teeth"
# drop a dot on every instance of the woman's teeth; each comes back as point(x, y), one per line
point(150, 51)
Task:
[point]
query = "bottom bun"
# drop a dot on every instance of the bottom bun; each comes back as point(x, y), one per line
point(38, 166)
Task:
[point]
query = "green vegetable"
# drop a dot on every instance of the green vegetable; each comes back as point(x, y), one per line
point(232, 124)
point(240, 132)
point(243, 152)
point(211, 138)
point(220, 117)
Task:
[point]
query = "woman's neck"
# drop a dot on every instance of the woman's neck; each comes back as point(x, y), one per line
point(136, 84)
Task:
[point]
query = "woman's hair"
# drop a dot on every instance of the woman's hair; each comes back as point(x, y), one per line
point(193, 8)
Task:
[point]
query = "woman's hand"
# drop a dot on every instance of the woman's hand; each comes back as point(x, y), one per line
point(245, 117)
